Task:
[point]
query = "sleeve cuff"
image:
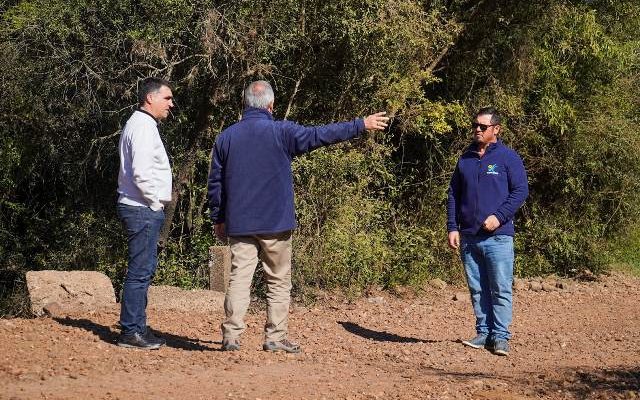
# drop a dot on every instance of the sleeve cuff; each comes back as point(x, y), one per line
point(361, 127)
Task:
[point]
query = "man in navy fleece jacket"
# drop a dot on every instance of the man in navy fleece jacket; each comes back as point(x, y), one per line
point(488, 186)
point(250, 194)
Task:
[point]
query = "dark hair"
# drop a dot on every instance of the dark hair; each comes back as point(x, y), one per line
point(495, 115)
point(150, 85)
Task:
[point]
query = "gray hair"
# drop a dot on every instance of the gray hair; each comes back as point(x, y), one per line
point(258, 94)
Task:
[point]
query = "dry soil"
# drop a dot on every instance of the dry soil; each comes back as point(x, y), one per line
point(581, 342)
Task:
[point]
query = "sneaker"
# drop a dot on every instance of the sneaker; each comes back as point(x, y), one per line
point(230, 344)
point(501, 347)
point(151, 337)
point(477, 342)
point(282, 345)
point(139, 341)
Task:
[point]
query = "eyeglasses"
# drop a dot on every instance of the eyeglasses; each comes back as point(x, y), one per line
point(482, 127)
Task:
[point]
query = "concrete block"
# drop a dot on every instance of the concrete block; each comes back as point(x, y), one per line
point(219, 268)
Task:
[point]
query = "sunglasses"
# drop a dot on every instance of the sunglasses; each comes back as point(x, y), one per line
point(482, 127)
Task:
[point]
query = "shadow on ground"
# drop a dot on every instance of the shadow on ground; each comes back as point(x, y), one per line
point(107, 335)
point(380, 336)
point(609, 383)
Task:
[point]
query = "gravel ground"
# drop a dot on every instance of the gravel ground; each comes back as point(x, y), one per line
point(580, 342)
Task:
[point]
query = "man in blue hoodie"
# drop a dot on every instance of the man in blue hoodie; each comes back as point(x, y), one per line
point(250, 193)
point(488, 186)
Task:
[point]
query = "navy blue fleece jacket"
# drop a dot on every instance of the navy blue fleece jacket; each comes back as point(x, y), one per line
point(495, 183)
point(250, 185)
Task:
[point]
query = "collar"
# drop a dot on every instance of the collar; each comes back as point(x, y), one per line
point(148, 113)
point(252, 112)
point(473, 147)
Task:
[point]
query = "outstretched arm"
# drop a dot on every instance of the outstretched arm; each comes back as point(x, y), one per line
point(302, 139)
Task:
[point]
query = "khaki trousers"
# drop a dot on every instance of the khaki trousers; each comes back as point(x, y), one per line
point(275, 253)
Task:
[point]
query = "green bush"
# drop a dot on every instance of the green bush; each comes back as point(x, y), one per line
point(371, 212)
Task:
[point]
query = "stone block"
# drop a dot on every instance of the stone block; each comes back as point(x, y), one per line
point(69, 291)
point(219, 268)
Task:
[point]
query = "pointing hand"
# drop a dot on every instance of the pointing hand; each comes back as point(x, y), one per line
point(376, 121)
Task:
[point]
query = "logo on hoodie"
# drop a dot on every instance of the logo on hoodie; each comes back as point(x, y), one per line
point(492, 169)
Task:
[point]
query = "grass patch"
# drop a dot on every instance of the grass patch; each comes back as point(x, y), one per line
point(625, 252)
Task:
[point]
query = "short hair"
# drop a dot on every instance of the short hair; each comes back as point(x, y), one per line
point(150, 85)
point(495, 115)
point(258, 94)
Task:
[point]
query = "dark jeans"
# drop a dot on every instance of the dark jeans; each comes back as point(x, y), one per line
point(143, 229)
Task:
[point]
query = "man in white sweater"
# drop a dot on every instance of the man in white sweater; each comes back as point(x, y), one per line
point(144, 184)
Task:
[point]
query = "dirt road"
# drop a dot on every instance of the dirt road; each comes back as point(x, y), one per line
point(579, 343)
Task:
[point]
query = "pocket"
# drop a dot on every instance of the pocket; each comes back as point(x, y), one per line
point(503, 238)
point(127, 212)
point(156, 215)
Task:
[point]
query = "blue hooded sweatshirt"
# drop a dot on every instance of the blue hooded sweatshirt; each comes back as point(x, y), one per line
point(250, 185)
point(495, 183)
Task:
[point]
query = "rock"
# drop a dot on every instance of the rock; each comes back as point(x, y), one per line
point(437, 283)
point(461, 296)
point(403, 292)
point(586, 275)
point(374, 290)
point(520, 284)
point(564, 285)
point(175, 298)
point(535, 286)
point(72, 291)
point(375, 300)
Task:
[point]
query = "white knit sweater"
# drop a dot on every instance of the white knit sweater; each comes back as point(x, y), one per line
point(145, 173)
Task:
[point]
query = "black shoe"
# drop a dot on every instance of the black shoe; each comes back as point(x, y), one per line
point(138, 341)
point(478, 342)
point(501, 347)
point(152, 338)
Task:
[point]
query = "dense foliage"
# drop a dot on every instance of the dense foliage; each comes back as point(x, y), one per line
point(565, 74)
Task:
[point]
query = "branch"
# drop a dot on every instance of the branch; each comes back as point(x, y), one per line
point(452, 43)
point(97, 140)
point(293, 95)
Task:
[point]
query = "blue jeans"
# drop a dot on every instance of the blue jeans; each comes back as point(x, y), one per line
point(143, 230)
point(488, 265)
